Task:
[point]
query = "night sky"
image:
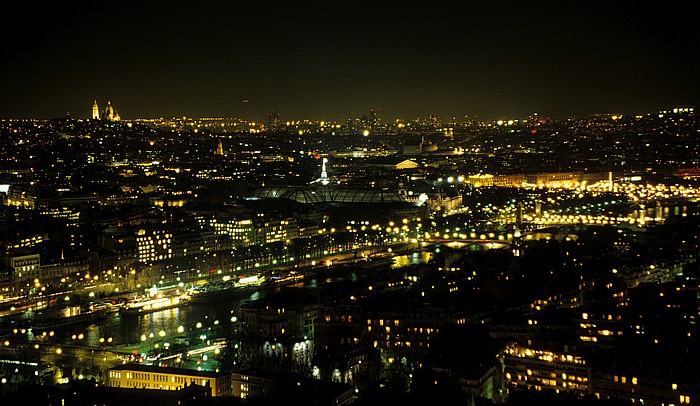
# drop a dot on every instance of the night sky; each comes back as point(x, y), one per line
point(331, 60)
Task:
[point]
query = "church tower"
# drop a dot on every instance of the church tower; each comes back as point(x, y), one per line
point(219, 149)
point(95, 111)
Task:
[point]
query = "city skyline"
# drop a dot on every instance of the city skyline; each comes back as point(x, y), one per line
point(319, 61)
point(360, 262)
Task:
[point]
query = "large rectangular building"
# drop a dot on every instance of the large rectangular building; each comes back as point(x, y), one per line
point(167, 378)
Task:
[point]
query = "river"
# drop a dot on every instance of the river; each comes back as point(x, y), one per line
point(209, 318)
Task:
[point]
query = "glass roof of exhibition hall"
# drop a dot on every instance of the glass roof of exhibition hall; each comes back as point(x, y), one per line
point(329, 194)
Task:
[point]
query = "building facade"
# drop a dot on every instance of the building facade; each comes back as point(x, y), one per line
point(166, 378)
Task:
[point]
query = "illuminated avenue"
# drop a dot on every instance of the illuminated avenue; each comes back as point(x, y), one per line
point(535, 259)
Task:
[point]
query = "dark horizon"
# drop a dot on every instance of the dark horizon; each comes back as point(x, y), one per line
point(325, 61)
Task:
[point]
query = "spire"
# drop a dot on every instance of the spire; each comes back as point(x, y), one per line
point(219, 149)
point(95, 111)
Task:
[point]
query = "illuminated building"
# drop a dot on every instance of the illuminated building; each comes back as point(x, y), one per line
point(508, 180)
point(257, 231)
point(555, 179)
point(348, 203)
point(95, 111)
point(69, 214)
point(110, 113)
point(600, 330)
point(167, 378)
point(392, 163)
point(480, 180)
point(219, 149)
point(257, 221)
point(162, 243)
point(154, 244)
point(6, 281)
point(60, 272)
point(443, 202)
point(21, 198)
point(239, 230)
point(373, 118)
point(26, 269)
point(246, 385)
point(542, 370)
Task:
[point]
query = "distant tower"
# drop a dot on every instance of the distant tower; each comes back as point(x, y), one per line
point(95, 111)
point(273, 118)
point(434, 121)
point(373, 119)
point(219, 149)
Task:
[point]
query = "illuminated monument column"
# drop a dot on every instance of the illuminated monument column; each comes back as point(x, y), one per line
point(324, 174)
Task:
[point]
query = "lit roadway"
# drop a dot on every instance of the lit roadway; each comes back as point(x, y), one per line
point(56, 353)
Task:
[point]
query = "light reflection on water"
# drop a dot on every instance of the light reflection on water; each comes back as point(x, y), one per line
point(414, 258)
point(129, 329)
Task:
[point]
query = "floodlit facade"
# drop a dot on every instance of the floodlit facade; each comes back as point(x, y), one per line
point(165, 378)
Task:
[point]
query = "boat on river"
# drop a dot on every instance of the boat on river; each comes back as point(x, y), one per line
point(154, 304)
point(53, 322)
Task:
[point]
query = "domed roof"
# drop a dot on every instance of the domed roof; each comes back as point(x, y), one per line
point(353, 195)
point(299, 194)
point(329, 194)
point(304, 195)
